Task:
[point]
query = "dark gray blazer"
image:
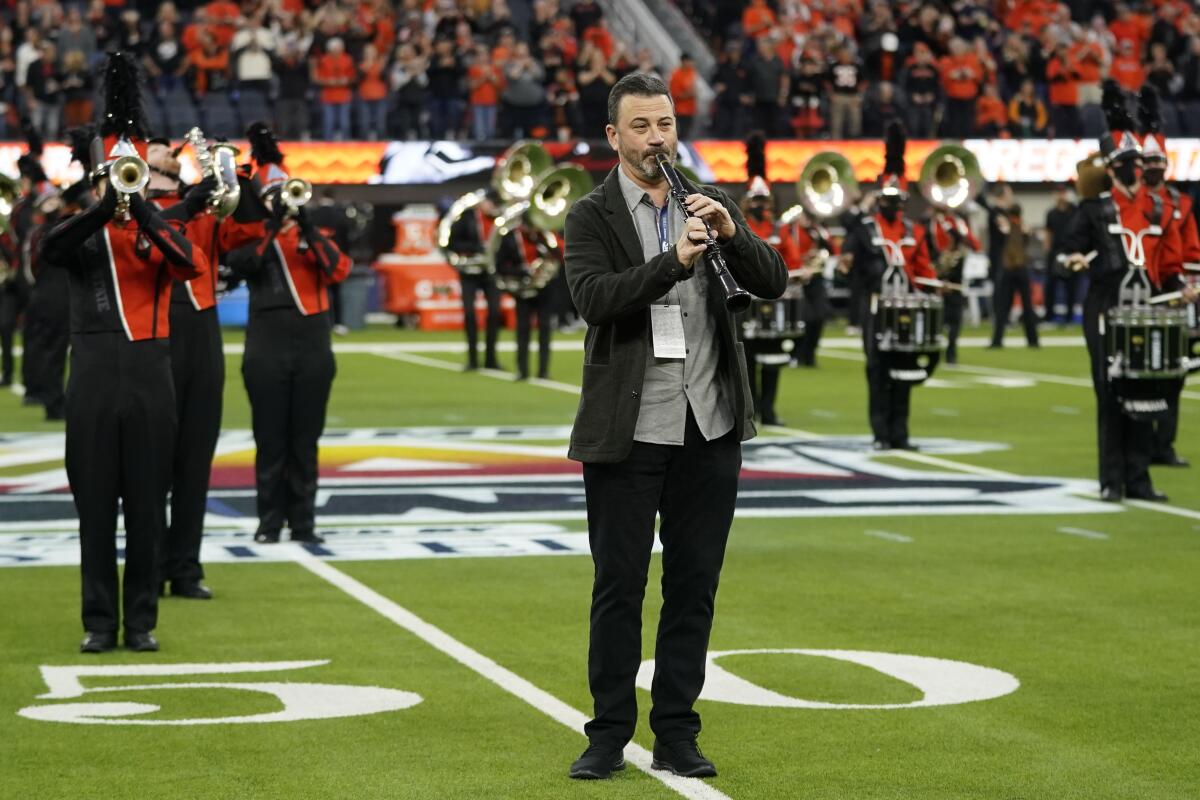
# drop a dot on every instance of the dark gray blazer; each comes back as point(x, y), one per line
point(613, 287)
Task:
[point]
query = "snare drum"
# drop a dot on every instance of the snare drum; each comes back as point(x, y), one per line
point(1146, 342)
point(774, 319)
point(908, 323)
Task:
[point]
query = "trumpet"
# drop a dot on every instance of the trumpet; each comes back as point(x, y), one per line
point(296, 192)
point(126, 172)
point(220, 163)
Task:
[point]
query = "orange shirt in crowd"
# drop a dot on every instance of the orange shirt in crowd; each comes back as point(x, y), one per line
point(372, 86)
point(1134, 28)
point(683, 90)
point(758, 19)
point(206, 63)
point(961, 88)
point(1087, 57)
point(1064, 92)
point(990, 110)
point(485, 92)
point(1128, 71)
point(335, 68)
point(223, 16)
point(601, 38)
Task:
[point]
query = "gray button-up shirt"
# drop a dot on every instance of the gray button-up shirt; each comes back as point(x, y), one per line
point(671, 384)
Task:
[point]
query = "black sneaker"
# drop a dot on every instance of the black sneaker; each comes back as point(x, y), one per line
point(141, 642)
point(682, 758)
point(599, 761)
point(98, 642)
point(266, 537)
point(307, 537)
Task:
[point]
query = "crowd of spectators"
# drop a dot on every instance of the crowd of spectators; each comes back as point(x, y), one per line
point(327, 69)
point(502, 69)
point(960, 68)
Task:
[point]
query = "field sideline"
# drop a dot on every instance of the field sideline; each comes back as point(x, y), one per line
point(965, 621)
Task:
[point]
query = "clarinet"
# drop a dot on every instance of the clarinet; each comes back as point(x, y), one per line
point(737, 299)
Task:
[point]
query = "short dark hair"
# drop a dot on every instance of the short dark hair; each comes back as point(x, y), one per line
point(638, 84)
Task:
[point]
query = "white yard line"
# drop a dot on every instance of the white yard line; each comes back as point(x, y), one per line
point(1043, 377)
point(1083, 532)
point(891, 537)
point(438, 363)
point(506, 679)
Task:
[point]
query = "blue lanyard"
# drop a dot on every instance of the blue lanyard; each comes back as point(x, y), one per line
point(663, 217)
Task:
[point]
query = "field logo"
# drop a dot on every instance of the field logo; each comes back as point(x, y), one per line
point(943, 682)
point(301, 701)
point(481, 491)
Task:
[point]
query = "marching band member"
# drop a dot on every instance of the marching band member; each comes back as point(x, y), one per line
point(288, 365)
point(885, 235)
point(197, 364)
point(950, 238)
point(1124, 442)
point(1179, 207)
point(813, 242)
point(121, 256)
point(524, 256)
point(468, 242)
point(47, 327)
point(14, 288)
point(765, 357)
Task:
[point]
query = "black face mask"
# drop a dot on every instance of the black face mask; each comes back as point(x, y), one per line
point(1127, 173)
point(757, 212)
point(1153, 177)
point(889, 212)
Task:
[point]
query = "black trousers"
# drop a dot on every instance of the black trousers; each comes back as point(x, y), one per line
point(764, 383)
point(471, 285)
point(288, 369)
point(9, 309)
point(806, 348)
point(952, 303)
point(888, 401)
point(542, 306)
point(1165, 430)
point(693, 488)
point(47, 337)
point(198, 369)
point(120, 437)
point(1123, 442)
point(1014, 281)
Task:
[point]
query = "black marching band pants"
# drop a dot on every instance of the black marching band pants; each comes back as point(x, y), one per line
point(288, 369)
point(1014, 281)
point(472, 283)
point(952, 310)
point(764, 381)
point(47, 336)
point(888, 400)
point(542, 305)
point(1124, 442)
point(9, 309)
point(120, 436)
point(198, 368)
point(693, 488)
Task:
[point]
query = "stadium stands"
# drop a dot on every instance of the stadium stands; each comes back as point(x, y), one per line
point(452, 68)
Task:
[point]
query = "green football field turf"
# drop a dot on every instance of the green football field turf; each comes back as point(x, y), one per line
point(1096, 615)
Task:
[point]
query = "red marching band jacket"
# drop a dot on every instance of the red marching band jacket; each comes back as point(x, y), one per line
point(944, 225)
point(911, 240)
point(1152, 222)
point(1180, 208)
point(136, 269)
point(213, 237)
point(307, 269)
